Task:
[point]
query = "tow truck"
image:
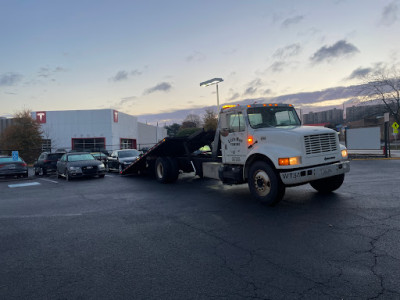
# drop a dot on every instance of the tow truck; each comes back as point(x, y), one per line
point(263, 145)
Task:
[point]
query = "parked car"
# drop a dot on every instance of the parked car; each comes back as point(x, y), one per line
point(101, 156)
point(120, 159)
point(47, 162)
point(11, 168)
point(79, 164)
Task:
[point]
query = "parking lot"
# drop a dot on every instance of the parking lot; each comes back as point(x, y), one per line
point(126, 237)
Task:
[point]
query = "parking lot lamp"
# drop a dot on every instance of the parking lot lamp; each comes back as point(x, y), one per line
point(211, 82)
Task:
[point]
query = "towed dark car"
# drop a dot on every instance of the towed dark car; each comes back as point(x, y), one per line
point(79, 164)
point(12, 168)
point(120, 159)
point(47, 162)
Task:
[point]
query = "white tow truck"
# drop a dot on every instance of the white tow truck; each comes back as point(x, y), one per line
point(263, 145)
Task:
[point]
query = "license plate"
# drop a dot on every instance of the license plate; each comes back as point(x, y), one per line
point(11, 166)
point(90, 167)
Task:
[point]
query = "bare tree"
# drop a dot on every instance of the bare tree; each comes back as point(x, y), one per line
point(384, 85)
point(210, 120)
point(191, 121)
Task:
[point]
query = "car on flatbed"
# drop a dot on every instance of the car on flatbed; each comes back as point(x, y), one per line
point(79, 164)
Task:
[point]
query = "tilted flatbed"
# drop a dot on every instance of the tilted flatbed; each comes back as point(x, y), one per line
point(179, 149)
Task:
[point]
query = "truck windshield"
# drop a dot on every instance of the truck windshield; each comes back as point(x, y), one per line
point(261, 117)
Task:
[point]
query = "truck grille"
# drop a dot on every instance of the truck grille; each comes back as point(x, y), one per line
point(320, 143)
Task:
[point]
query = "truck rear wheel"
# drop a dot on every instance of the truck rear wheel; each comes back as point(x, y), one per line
point(174, 169)
point(163, 170)
point(264, 184)
point(328, 185)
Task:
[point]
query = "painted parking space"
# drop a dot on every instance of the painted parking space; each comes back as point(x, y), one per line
point(18, 185)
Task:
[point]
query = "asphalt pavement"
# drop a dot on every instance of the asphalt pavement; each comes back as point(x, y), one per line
point(127, 237)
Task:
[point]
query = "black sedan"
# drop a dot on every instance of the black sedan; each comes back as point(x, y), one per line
point(120, 159)
point(79, 164)
point(12, 168)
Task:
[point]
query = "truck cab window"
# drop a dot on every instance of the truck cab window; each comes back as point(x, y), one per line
point(236, 122)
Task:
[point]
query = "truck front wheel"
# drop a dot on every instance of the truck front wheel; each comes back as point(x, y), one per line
point(264, 184)
point(327, 185)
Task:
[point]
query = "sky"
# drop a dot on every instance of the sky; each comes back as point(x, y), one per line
point(147, 58)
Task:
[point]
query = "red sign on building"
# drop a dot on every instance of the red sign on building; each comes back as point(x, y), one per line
point(41, 117)
point(115, 113)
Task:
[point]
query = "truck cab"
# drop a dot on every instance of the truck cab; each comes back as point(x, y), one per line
point(266, 146)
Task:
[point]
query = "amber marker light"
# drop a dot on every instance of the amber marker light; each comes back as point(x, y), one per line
point(289, 161)
point(344, 153)
point(250, 140)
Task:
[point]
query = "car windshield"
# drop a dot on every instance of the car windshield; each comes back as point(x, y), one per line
point(128, 153)
point(80, 157)
point(261, 117)
point(8, 159)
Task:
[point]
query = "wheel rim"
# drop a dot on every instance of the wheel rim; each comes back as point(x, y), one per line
point(262, 183)
point(160, 170)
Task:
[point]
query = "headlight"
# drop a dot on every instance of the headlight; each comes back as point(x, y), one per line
point(289, 161)
point(344, 153)
point(77, 169)
point(101, 166)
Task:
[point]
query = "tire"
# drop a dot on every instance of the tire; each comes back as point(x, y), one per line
point(25, 175)
point(58, 174)
point(36, 171)
point(328, 185)
point(101, 176)
point(174, 169)
point(107, 168)
point(44, 171)
point(163, 170)
point(264, 183)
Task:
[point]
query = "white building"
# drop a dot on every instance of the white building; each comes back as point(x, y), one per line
point(94, 130)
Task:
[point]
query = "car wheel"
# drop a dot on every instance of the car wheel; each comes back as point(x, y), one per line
point(67, 177)
point(41, 172)
point(107, 167)
point(58, 174)
point(36, 171)
point(44, 171)
point(101, 176)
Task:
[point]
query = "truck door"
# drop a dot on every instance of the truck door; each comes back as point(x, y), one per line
point(234, 138)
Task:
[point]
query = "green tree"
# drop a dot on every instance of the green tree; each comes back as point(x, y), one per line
point(24, 135)
point(210, 120)
point(172, 130)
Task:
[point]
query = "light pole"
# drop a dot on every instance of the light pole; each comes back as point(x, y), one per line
point(211, 82)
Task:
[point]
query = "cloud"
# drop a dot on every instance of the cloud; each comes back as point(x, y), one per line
point(124, 75)
point(250, 91)
point(288, 51)
point(339, 49)
point(390, 14)
point(197, 56)
point(234, 97)
point(359, 73)
point(163, 87)
point(277, 66)
point(10, 79)
point(120, 76)
point(46, 72)
point(291, 21)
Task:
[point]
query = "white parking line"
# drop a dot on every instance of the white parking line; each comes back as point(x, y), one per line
point(53, 181)
point(23, 184)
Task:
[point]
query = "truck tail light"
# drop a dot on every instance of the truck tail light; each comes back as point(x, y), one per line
point(289, 161)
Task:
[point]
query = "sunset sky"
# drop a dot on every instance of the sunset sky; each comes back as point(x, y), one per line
point(149, 57)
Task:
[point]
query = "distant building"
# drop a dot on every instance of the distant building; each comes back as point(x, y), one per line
point(355, 113)
point(4, 123)
point(95, 130)
point(332, 116)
